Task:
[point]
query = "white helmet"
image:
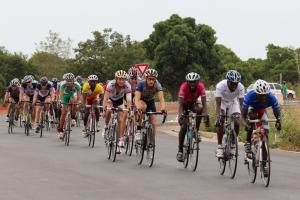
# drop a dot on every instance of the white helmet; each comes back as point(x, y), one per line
point(27, 78)
point(93, 77)
point(233, 76)
point(121, 74)
point(151, 72)
point(15, 81)
point(261, 87)
point(69, 76)
point(192, 76)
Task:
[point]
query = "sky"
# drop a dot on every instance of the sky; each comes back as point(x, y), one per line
point(244, 26)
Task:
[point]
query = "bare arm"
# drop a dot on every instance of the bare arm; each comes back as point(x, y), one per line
point(161, 100)
point(218, 105)
point(203, 100)
point(137, 99)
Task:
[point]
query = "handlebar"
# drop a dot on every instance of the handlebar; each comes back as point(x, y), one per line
point(261, 120)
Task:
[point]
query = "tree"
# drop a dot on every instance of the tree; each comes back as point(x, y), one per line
point(47, 64)
point(107, 52)
point(178, 46)
point(54, 44)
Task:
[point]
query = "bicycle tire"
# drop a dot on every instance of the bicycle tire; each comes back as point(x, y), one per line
point(93, 131)
point(186, 151)
point(114, 143)
point(150, 149)
point(131, 136)
point(68, 130)
point(141, 148)
point(233, 157)
point(266, 180)
point(42, 123)
point(251, 164)
point(194, 150)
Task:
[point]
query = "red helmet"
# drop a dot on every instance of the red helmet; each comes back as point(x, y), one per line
point(132, 72)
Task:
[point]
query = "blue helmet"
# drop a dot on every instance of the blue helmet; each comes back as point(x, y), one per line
point(233, 76)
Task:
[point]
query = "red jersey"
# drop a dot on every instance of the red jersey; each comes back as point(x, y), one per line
point(188, 96)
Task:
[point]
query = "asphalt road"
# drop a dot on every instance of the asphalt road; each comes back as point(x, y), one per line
point(36, 168)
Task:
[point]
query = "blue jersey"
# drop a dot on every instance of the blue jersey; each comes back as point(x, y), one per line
point(251, 99)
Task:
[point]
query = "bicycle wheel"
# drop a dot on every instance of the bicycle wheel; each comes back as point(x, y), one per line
point(186, 150)
point(108, 142)
point(78, 117)
point(150, 147)
point(27, 124)
point(251, 163)
point(67, 130)
point(47, 122)
point(126, 136)
point(131, 136)
point(42, 123)
point(266, 163)
point(92, 133)
point(194, 150)
point(232, 142)
point(140, 148)
point(114, 142)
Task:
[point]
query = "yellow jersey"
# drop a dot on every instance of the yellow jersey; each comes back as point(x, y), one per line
point(86, 89)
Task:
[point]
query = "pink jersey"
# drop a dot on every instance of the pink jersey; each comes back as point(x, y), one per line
point(188, 97)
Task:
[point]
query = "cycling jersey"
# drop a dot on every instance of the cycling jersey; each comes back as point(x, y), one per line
point(224, 92)
point(14, 93)
point(191, 97)
point(69, 92)
point(44, 92)
point(92, 94)
point(28, 90)
point(111, 87)
point(148, 93)
point(251, 100)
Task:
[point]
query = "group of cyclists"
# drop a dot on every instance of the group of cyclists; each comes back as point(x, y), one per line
point(129, 90)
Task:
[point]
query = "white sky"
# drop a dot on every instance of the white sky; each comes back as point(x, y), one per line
point(244, 26)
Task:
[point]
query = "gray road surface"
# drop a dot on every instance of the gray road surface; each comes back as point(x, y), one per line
point(36, 168)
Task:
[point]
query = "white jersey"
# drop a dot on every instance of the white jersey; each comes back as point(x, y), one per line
point(227, 96)
point(111, 87)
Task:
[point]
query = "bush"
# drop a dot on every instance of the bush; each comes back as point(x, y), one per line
point(290, 134)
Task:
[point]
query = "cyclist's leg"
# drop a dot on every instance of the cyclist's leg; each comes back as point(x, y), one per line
point(110, 104)
point(25, 105)
point(38, 109)
point(65, 99)
point(235, 112)
point(151, 107)
point(183, 122)
point(220, 127)
point(197, 108)
point(121, 118)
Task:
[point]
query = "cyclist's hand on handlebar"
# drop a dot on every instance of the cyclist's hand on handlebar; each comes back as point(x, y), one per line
point(164, 112)
point(278, 124)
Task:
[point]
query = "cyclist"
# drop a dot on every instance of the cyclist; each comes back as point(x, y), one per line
point(79, 80)
point(188, 96)
point(254, 106)
point(90, 95)
point(44, 93)
point(27, 92)
point(12, 94)
point(114, 97)
point(69, 93)
point(227, 92)
point(144, 100)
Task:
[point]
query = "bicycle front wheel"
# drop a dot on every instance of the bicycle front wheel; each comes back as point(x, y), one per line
point(194, 150)
point(114, 143)
point(251, 163)
point(140, 148)
point(150, 147)
point(232, 142)
point(265, 164)
point(68, 130)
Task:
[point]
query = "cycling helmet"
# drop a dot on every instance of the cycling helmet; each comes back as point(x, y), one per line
point(54, 80)
point(31, 76)
point(27, 79)
point(15, 81)
point(151, 72)
point(93, 77)
point(261, 87)
point(132, 72)
point(79, 78)
point(121, 74)
point(69, 76)
point(44, 79)
point(192, 76)
point(233, 76)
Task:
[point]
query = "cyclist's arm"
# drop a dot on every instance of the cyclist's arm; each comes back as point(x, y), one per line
point(52, 93)
point(137, 99)
point(129, 99)
point(204, 104)
point(83, 98)
point(218, 105)
point(6, 96)
point(105, 98)
point(79, 96)
point(61, 94)
point(241, 100)
point(36, 93)
point(161, 100)
point(180, 107)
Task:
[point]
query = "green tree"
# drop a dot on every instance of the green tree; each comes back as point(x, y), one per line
point(178, 46)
